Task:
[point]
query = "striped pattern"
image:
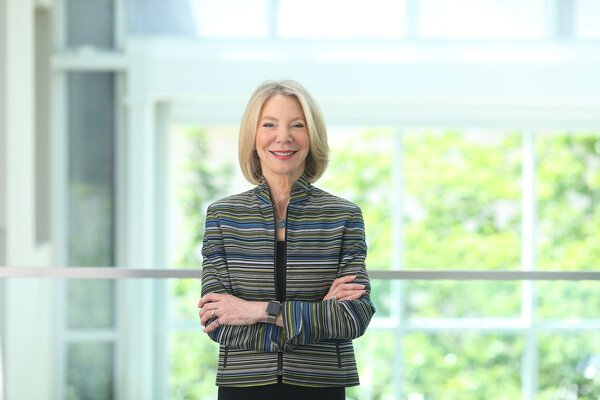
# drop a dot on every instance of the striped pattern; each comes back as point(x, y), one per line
point(325, 241)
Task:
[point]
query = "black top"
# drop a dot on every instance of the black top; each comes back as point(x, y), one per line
point(280, 271)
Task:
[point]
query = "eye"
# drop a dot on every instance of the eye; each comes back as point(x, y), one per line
point(298, 125)
point(268, 125)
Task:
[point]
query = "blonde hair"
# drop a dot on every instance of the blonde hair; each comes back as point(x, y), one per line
point(317, 158)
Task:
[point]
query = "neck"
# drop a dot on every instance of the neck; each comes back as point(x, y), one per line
point(280, 189)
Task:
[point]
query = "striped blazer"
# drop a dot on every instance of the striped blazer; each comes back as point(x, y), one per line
point(325, 240)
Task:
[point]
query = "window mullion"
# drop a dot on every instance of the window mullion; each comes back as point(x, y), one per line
point(529, 368)
point(411, 19)
point(398, 287)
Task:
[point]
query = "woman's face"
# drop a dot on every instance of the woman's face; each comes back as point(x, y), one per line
point(282, 140)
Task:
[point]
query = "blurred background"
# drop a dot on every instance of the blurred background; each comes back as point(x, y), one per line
point(467, 130)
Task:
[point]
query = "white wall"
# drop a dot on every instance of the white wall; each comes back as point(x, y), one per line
point(2, 133)
point(2, 186)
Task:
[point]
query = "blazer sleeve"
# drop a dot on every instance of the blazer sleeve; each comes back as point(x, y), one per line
point(306, 322)
point(215, 278)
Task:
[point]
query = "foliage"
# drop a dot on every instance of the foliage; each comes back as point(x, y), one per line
point(193, 356)
point(457, 366)
point(569, 366)
point(360, 171)
point(194, 360)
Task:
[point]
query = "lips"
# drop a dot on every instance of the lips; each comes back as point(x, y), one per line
point(283, 153)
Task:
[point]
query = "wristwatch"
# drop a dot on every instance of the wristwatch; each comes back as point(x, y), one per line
point(273, 310)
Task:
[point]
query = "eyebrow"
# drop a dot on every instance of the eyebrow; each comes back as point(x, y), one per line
point(275, 119)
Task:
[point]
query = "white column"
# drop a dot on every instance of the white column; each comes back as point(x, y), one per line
point(25, 311)
point(528, 262)
point(138, 239)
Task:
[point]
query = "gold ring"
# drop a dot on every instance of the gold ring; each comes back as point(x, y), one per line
point(212, 312)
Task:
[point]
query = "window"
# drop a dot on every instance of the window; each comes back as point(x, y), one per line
point(90, 324)
point(341, 19)
point(481, 19)
point(587, 13)
point(461, 207)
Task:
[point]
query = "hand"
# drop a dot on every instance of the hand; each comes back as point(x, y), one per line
point(341, 289)
point(229, 310)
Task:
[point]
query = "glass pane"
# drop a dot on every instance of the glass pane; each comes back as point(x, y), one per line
point(569, 366)
point(341, 19)
point(193, 365)
point(91, 163)
point(577, 300)
point(185, 294)
point(90, 23)
point(205, 18)
point(375, 358)
point(462, 366)
point(568, 189)
point(384, 294)
point(360, 170)
point(203, 167)
point(152, 17)
point(470, 299)
point(481, 19)
point(90, 371)
point(232, 18)
point(462, 201)
point(587, 15)
point(91, 304)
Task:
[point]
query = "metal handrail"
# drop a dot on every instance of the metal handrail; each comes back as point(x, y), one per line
point(196, 273)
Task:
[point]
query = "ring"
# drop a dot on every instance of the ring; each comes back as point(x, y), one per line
point(334, 298)
point(217, 321)
point(212, 312)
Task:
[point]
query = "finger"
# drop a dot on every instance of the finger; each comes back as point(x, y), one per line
point(208, 312)
point(205, 313)
point(343, 280)
point(346, 279)
point(205, 318)
point(208, 298)
point(352, 286)
point(351, 295)
point(211, 327)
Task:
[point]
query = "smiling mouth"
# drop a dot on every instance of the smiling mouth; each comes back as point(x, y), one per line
point(283, 153)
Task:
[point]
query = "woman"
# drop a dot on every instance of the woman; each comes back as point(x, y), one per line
point(284, 283)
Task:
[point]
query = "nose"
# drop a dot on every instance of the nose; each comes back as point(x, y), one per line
point(283, 135)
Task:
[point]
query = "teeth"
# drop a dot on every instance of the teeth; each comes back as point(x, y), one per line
point(279, 153)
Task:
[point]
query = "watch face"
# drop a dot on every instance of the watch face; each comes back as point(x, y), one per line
point(273, 308)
